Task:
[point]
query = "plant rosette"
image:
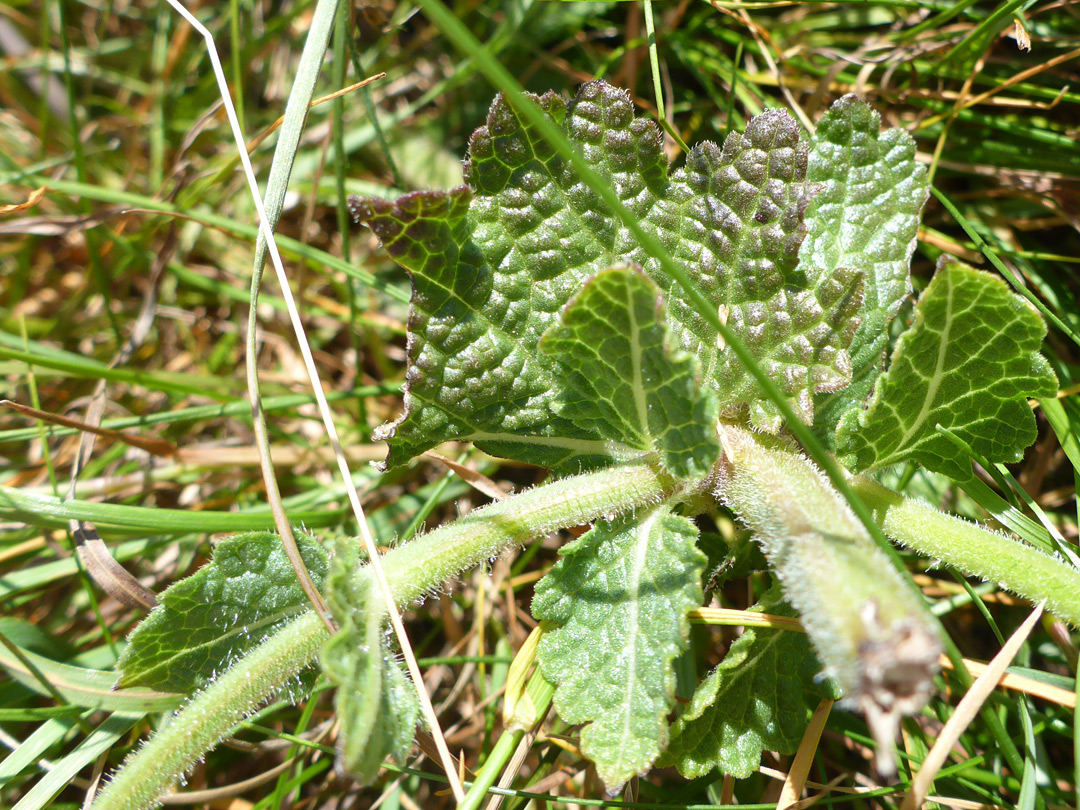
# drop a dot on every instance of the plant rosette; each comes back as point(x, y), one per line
point(644, 333)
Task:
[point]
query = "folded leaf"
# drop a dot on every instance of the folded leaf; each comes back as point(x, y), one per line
point(376, 701)
point(967, 364)
point(624, 381)
point(493, 265)
point(872, 632)
point(620, 596)
point(758, 699)
point(868, 196)
point(206, 621)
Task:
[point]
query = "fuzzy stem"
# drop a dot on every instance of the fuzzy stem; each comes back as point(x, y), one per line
point(412, 570)
point(968, 547)
point(872, 633)
point(211, 715)
point(416, 568)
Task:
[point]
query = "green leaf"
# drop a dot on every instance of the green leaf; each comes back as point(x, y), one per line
point(205, 622)
point(967, 364)
point(625, 381)
point(738, 216)
point(864, 214)
point(759, 698)
point(376, 702)
point(495, 262)
point(620, 596)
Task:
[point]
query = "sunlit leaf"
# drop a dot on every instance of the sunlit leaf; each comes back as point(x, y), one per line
point(206, 621)
point(967, 364)
point(620, 595)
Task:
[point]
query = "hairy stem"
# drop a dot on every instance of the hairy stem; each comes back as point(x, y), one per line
point(212, 714)
point(968, 547)
point(872, 633)
point(412, 570)
point(417, 567)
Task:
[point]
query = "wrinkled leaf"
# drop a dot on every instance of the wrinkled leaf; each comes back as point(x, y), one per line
point(759, 698)
point(738, 216)
point(376, 701)
point(625, 382)
point(864, 214)
point(620, 596)
point(494, 263)
point(205, 622)
point(968, 364)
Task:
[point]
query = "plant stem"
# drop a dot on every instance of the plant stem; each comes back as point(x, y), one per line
point(540, 691)
point(211, 715)
point(1019, 568)
point(413, 570)
point(416, 568)
point(874, 636)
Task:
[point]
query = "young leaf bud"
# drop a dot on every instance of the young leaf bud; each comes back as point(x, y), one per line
point(869, 629)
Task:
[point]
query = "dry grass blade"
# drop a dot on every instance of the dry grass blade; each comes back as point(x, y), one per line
point(510, 773)
point(289, 455)
point(1016, 79)
point(744, 618)
point(331, 430)
point(804, 757)
point(110, 576)
point(266, 133)
point(824, 791)
point(33, 199)
point(1021, 683)
point(965, 712)
point(155, 447)
point(478, 481)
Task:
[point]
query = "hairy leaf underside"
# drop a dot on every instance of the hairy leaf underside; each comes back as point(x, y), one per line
point(376, 701)
point(494, 264)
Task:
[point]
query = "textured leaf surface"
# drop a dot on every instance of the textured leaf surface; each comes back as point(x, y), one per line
point(968, 364)
point(737, 214)
point(494, 263)
point(757, 699)
point(376, 702)
point(203, 623)
point(620, 596)
point(864, 214)
point(625, 381)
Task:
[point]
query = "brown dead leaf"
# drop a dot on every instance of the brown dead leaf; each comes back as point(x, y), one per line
point(34, 198)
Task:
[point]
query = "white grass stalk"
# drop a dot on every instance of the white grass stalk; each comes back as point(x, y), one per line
point(965, 712)
point(324, 408)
